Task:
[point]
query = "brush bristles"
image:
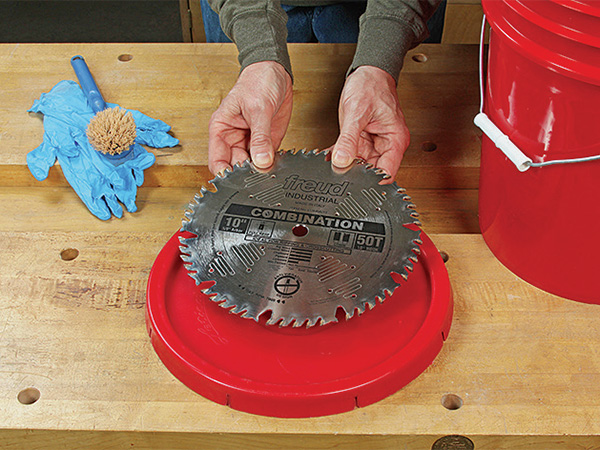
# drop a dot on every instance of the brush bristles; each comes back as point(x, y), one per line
point(112, 131)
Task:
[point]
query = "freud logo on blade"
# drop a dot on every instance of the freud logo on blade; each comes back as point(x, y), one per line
point(312, 190)
point(287, 284)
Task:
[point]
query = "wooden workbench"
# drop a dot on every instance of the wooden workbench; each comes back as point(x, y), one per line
point(525, 364)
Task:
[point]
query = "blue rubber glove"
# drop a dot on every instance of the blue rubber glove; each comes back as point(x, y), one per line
point(98, 181)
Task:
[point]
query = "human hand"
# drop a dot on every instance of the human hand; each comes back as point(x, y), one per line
point(372, 125)
point(252, 120)
point(100, 181)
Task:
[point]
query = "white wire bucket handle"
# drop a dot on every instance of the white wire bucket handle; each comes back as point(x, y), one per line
point(501, 140)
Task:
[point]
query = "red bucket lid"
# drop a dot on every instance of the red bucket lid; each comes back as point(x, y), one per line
point(297, 372)
point(563, 40)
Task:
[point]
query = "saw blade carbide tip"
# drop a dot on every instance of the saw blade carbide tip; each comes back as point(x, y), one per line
point(312, 322)
point(360, 309)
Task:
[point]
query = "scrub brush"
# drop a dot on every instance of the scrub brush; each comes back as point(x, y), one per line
point(111, 131)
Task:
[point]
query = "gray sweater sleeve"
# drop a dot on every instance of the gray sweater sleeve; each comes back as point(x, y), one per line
point(258, 28)
point(388, 29)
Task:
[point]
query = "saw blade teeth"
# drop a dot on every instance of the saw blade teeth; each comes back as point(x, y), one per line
point(283, 322)
point(197, 253)
point(418, 242)
point(272, 320)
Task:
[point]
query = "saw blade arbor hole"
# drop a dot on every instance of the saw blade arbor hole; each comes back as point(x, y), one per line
point(300, 230)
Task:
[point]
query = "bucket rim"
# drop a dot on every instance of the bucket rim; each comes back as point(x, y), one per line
point(521, 40)
point(589, 7)
point(541, 13)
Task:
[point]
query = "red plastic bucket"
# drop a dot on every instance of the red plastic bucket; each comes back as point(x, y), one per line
point(543, 91)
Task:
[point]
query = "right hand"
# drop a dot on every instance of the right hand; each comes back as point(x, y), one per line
point(252, 120)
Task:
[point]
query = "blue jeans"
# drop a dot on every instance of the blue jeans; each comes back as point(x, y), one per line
point(330, 24)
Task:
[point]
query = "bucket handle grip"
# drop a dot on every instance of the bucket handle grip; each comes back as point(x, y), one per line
point(521, 161)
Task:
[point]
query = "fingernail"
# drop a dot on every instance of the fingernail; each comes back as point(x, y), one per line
point(262, 160)
point(341, 159)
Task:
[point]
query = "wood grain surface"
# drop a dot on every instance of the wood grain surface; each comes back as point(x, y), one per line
point(183, 84)
point(524, 363)
point(77, 370)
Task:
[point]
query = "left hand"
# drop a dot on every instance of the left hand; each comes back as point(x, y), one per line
point(372, 125)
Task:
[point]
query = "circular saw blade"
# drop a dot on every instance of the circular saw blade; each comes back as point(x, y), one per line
point(300, 240)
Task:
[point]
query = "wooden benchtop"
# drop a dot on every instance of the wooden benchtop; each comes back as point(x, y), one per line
point(526, 364)
point(183, 84)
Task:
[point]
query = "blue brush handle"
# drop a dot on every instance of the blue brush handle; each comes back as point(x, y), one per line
point(88, 84)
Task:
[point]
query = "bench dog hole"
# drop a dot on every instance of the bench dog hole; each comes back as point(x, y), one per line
point(419, 57)
point(69, 254)
point(429, 146)
point(125, 57)
point(29, 396)
point(452, 402)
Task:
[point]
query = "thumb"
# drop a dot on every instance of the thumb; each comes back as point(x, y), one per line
point(345, 149)
point(261, 144)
